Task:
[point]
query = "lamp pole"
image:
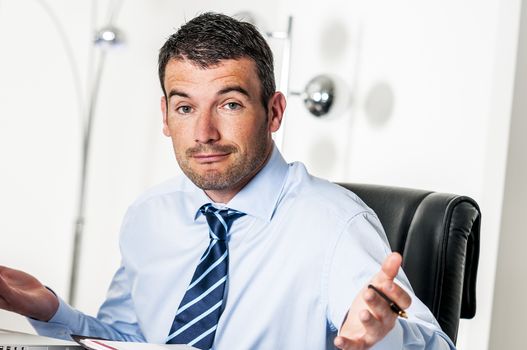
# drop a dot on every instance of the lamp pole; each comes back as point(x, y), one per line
point(106, 38)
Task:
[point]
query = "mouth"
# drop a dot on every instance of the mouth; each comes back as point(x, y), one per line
point(207, 158)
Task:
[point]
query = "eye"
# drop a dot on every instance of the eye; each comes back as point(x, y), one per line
point(184, 109)
point(233, 106)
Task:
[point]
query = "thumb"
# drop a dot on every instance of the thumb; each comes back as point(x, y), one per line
point(390, 266)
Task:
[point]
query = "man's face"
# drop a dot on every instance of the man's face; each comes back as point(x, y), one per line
point(221, 132)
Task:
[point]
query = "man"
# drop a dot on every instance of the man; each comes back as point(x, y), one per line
point(287, 258)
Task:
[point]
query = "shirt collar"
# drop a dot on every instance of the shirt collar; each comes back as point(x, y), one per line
point(258, 198)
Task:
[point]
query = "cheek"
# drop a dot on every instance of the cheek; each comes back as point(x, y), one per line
point(179, 147)
point(240, 136)
point(252, 133)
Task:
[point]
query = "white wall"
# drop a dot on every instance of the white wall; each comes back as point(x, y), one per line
point(39, 131)
point(431, 84)
point(509, 314)
point(446, 68)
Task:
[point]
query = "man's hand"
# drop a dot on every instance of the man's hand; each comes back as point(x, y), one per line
point(25, 295)
point(370, 317)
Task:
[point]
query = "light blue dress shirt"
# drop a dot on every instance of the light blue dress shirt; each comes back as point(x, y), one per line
point(297, 260)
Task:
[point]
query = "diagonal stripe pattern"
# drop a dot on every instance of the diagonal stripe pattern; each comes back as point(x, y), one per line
point(198, 313)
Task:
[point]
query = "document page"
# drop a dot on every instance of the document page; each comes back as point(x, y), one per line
point(99, 344)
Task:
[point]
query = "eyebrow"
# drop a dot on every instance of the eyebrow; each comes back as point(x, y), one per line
point(234, 88)
point(177, 93)
point(223, 91)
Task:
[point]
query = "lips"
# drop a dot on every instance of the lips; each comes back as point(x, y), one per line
point(205, 158)
point(206, 154)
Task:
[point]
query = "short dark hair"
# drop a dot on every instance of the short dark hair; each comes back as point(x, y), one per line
point(212, 37)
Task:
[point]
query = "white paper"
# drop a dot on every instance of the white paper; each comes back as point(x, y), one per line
point(96, 344)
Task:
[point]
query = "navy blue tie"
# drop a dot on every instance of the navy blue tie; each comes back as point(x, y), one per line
point(198, 313)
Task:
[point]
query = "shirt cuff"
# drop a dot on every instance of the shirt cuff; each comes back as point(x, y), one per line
point(59, 325)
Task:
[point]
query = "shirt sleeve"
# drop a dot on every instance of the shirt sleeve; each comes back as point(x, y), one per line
point(116, 319)
point(358, 254)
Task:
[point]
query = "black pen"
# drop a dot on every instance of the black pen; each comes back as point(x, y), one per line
point(395, 308)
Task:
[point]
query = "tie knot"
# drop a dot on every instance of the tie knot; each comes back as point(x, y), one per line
point(219, 220)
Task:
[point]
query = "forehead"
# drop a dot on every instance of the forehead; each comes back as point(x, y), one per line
point(181, 73)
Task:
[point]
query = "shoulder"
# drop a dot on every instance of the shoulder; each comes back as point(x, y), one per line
point(171, 201)
point(171, 186)
point(173, 194)
point(317, 196)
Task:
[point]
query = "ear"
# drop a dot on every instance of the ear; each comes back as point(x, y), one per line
point(164, 107)
point(275, 111)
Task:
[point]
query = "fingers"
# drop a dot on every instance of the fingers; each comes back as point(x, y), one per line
point(24, 294)
point(371, 316)
point(344, 343)
point(384, 280)
point(379, 310)
point(373, 331)
point(375, 327)
point(397, 294)
point(5, 292)
point(4, 287)
point(390, 266)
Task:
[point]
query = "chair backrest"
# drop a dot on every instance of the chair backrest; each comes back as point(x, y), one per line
point(438, 236)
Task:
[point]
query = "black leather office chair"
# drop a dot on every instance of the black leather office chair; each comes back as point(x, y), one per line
point(438, 236)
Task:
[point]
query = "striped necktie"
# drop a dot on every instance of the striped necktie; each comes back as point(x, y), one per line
point(198, 313)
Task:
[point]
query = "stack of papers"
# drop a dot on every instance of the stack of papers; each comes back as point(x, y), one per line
point(99, 344)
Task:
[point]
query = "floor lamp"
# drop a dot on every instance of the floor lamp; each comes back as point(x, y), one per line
point(106, 38)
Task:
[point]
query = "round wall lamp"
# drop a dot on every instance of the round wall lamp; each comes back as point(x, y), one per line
point(319, 95)
point(324, 96)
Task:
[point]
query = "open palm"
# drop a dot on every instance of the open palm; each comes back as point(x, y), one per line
point(24, 294)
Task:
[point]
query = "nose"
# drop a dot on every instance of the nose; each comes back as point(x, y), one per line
point(206, 129)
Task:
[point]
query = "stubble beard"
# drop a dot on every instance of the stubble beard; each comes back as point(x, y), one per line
point(242, 168)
